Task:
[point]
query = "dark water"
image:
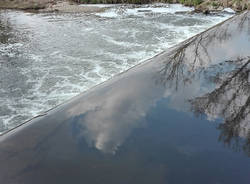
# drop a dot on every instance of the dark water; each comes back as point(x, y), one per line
point(46, 59)
point(181, 117)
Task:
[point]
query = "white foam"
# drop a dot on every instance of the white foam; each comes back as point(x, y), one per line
point(229, 10)
point(99, 5)
point(144, 10)
point(83, 51)
point(108, 14)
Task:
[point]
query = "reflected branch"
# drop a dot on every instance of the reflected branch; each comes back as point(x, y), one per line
point(231, 101)
point(193, 55)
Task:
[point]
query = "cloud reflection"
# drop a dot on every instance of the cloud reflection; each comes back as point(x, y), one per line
point(108, 119)
point(188, 71)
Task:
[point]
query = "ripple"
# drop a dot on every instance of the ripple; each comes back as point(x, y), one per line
point(46, 59)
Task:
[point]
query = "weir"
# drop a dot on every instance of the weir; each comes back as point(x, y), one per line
point(181, 117)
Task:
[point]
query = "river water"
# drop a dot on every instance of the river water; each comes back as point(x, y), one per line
point(45, 59)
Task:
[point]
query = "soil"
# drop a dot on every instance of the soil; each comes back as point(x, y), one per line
point(48, 6)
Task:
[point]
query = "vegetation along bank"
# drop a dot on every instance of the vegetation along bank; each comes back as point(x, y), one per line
point(205, 6)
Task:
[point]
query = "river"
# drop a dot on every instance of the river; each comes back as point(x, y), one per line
point(47, 58)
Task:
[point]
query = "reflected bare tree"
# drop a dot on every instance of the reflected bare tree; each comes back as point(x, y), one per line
point(174, 69)
point(193, 55)
point(230, 101)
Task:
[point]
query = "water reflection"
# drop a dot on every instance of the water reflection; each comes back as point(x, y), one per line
point(222, 58)
point(139, 127)
point(231, 101)
point(188, 77)
point(105, 121)
point(224, 43)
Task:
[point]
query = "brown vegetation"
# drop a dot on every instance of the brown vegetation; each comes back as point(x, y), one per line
point(69, 5)
point(24, 4)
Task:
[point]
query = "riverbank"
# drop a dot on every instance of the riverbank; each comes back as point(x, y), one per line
point(70, 6)
point(48, 6)
point(200, 5)
point(218, 5)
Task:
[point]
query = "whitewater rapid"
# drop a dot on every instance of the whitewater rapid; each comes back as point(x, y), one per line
point(46, 59)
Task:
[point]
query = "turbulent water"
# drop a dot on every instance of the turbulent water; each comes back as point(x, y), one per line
point(48, 58)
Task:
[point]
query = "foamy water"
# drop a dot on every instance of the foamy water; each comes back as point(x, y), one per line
point(45, 59)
